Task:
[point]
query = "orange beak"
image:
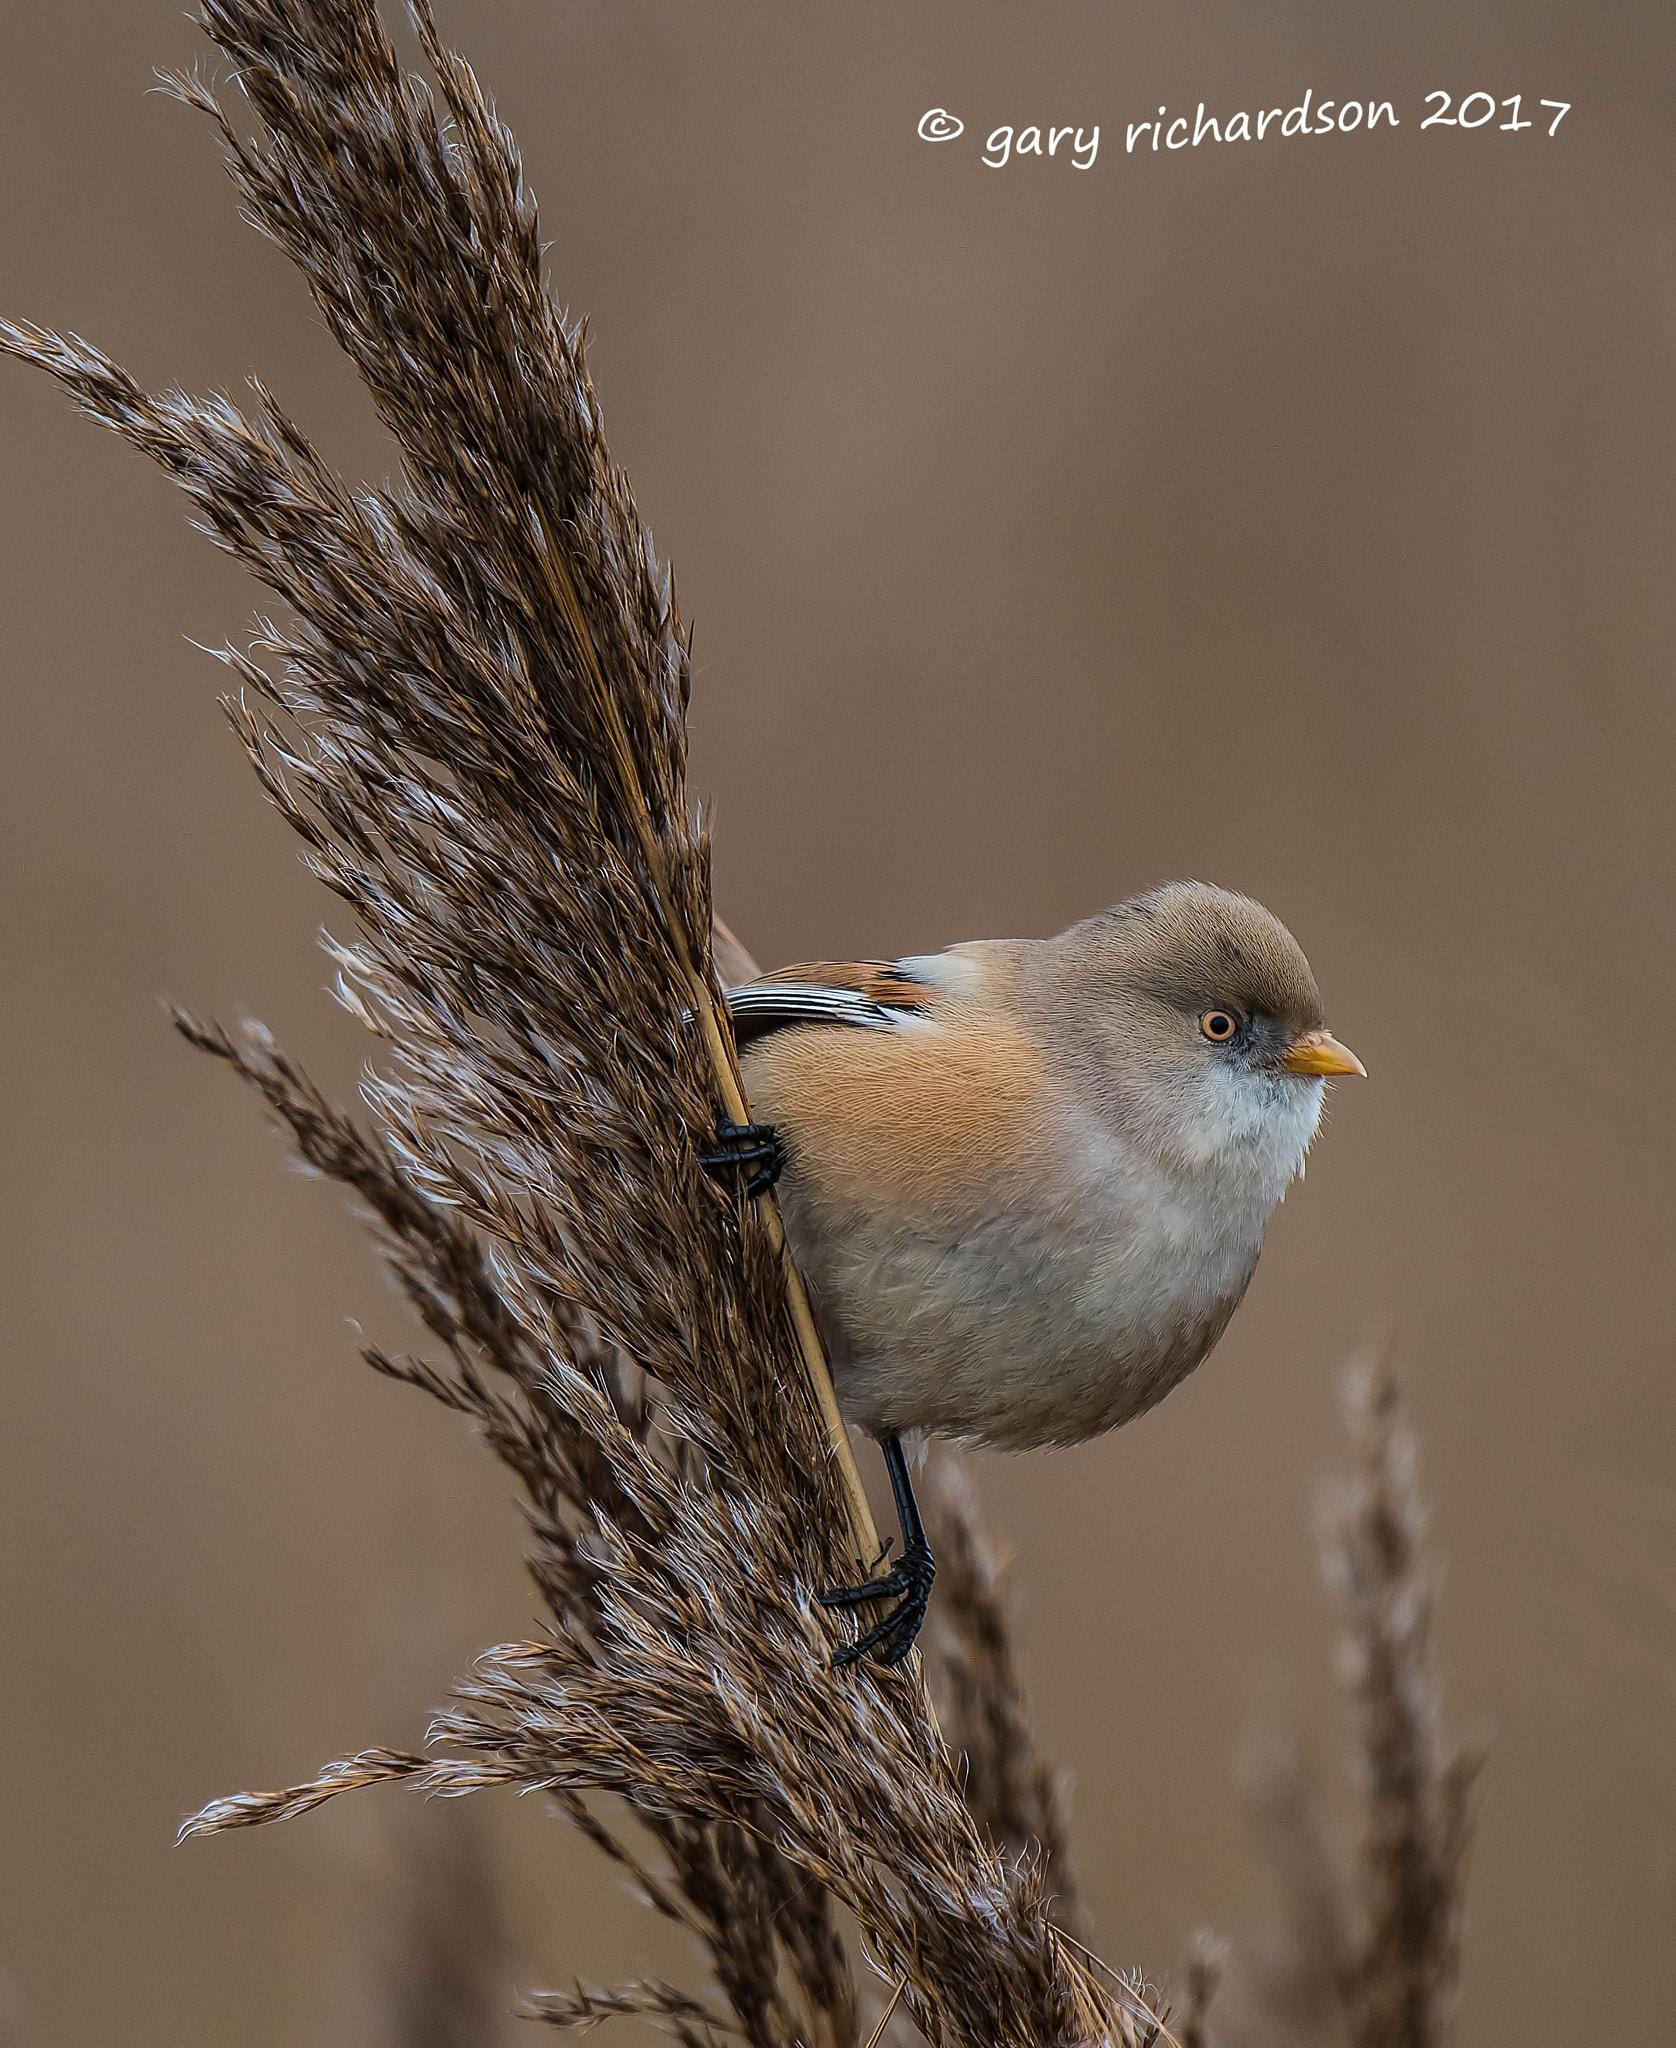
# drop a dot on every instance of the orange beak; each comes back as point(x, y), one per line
point(1319, 1052)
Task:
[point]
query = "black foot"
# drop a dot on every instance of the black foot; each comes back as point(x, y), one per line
point(908, 1583)
point(751, 1152)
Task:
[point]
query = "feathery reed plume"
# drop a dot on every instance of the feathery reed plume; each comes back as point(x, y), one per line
point(477, 727)
point(1369, 1951)
point(1416, 1788)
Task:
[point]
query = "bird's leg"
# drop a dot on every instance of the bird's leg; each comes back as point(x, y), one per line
point(908, 1582)
point(752, 1152)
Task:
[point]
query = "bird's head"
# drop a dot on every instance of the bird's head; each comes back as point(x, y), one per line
point(1197, 1016)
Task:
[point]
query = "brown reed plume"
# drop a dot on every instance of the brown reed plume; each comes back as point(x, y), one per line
point(476, 724)
point(1368, 1950)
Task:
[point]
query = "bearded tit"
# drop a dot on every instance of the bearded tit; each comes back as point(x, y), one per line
point(1026, 1180)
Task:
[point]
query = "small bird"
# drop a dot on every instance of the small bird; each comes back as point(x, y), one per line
point(1026, 1180)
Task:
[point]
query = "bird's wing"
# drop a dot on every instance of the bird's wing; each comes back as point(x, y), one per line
point(875, 995)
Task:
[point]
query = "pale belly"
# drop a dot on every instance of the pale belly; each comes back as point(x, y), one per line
point(1016, 1338)
point(1004, 1265)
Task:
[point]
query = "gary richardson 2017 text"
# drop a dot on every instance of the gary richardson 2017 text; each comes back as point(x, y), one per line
point(1308, 117)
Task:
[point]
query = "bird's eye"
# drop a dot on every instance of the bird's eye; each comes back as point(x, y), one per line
point(1219, 1025)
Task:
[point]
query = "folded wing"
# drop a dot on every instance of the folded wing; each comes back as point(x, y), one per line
point(872, 995)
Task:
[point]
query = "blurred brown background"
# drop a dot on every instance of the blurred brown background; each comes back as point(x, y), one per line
point(1294, 515)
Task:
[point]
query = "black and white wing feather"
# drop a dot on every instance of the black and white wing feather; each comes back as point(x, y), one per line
point(870, 995)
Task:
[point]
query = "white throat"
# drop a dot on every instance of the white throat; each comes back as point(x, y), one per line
point(1250, 1128)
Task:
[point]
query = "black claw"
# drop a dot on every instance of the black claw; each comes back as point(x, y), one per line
point(893, 1637)
point(908, 1582)
point(753, 1153)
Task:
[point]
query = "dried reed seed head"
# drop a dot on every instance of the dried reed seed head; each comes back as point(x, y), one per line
point(1368, 1950)
point(476, 727)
